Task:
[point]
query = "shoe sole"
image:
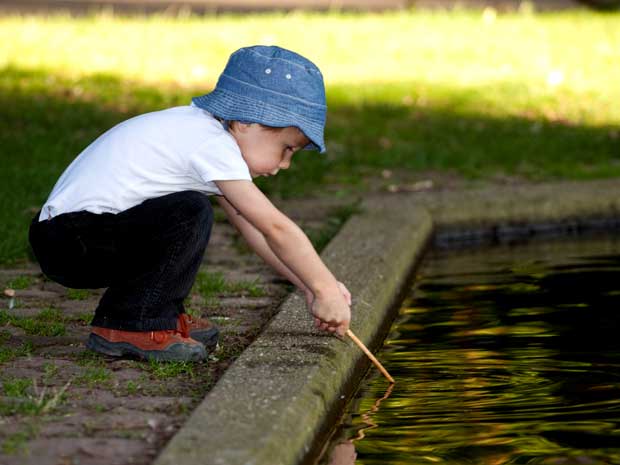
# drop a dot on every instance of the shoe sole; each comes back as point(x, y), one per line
point(208, 337)
point(174, 352)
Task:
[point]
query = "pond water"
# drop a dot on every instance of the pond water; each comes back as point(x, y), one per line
point(503, 355)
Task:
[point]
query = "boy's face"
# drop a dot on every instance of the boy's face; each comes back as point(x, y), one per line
point(267, 151)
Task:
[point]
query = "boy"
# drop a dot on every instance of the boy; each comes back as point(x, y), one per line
point(131, 212)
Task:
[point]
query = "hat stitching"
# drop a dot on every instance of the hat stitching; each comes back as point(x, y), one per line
point(274, 92)
point(260, 104)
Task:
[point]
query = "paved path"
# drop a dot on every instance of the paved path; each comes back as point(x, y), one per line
point(61, 404)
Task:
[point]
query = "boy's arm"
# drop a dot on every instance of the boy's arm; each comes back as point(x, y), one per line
point(256, 241)
point(289, 243)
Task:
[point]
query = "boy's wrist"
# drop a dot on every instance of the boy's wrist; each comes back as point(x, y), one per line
point(325, 290)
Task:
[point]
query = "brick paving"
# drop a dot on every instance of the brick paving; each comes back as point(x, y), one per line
point(63, 405)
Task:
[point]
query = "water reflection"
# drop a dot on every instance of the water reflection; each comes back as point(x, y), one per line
point(507, 356)
point(343, 452)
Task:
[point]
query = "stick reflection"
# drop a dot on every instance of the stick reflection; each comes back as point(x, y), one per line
point(344, 452)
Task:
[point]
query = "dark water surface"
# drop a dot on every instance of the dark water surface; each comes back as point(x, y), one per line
point(504, 355)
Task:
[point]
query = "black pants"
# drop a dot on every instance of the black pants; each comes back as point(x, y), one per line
point(147, 257)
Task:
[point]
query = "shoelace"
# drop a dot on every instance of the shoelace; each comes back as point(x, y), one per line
point(183, 330)
point(184, 323)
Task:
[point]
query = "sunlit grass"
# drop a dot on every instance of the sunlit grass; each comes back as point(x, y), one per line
point(547, 54)
point(479, 94)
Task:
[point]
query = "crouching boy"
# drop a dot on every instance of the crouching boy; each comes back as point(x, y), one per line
point(131, 213)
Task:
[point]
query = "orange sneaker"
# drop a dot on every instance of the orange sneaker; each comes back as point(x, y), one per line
point(199, 329)
point(169, 345)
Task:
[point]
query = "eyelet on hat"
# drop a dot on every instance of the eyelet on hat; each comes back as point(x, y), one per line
point(288, 76)
point(268, 71)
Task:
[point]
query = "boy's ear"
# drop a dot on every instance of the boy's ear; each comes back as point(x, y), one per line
point(239, 126)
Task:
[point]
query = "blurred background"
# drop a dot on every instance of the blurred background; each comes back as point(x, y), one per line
point(426, 94)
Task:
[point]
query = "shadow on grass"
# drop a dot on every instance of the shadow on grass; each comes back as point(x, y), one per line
point(47, 119)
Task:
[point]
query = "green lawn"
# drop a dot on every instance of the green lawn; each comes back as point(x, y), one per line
point(531, 95)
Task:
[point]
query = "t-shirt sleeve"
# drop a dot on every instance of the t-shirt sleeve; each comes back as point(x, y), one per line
point(219, 159)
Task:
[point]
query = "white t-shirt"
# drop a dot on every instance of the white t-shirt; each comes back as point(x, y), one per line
point(173, 150)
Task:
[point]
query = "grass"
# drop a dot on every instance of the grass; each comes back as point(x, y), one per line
point(78, 294)
point(90, 359)
point(131, 387)
point(83, 318)
point(50, 371)
point(211, 285)
point(22, 396)
point(230, 350)
point(4, 336)
point(21, 282)
point(11, 353)
point(49, 322)
point(16, 387)
point(249, 288)
point(16, 443)
point(336, 218)
point(93, 376)
point(165, 370)
point(480, 95)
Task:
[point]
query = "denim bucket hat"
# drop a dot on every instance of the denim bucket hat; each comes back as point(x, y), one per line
point(271, 86)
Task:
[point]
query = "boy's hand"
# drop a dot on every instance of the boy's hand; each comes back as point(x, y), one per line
point(345, 292)
point(310, 299)
point(331, 312)
point(310, 296)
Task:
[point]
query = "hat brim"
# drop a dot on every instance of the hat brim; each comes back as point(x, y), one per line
point(235, 107)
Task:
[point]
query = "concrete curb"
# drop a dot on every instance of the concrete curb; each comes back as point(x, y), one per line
point(519, 211)
point(277, 402)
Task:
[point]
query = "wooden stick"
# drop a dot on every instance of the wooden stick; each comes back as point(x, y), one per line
point(372, 358)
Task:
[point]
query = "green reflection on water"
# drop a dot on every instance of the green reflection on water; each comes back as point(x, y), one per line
point(507, 355)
